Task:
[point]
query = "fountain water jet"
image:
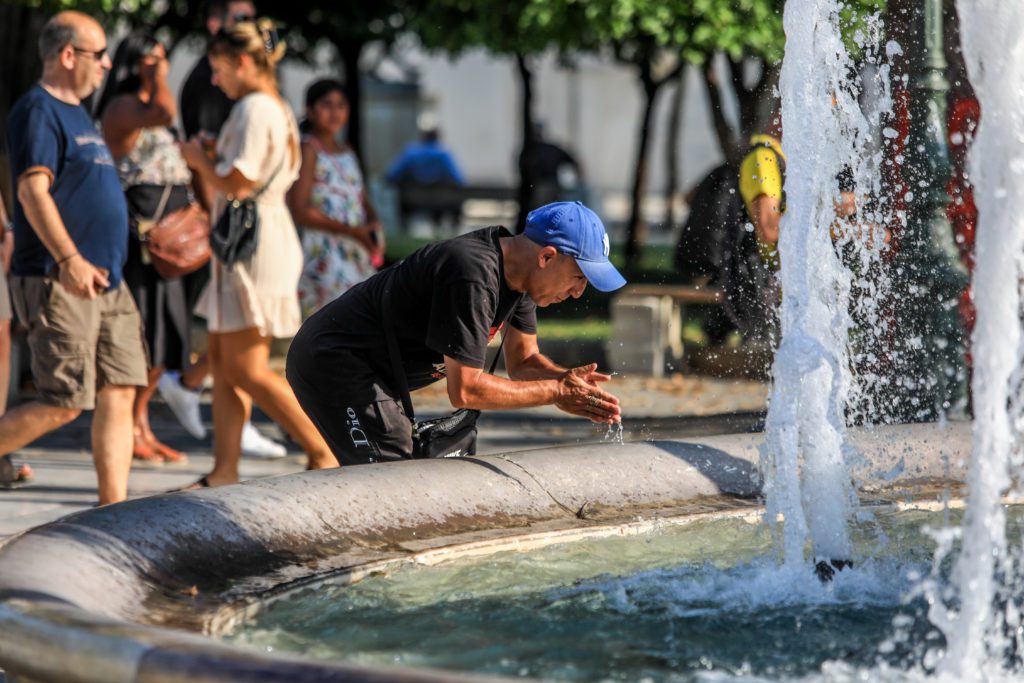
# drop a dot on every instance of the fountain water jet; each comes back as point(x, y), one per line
point(983, 632)
point(828, 132)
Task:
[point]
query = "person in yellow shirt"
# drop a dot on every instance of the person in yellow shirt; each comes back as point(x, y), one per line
point(761, 178)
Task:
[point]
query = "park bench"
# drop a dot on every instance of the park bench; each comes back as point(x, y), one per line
point(440, 201)
point(647, 326)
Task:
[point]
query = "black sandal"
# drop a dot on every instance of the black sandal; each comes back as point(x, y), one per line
point(201, 483)
point(11, 475)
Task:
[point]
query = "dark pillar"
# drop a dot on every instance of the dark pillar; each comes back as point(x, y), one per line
point(929, 275)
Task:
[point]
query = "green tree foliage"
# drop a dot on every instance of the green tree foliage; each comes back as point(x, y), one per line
point(656, 37)
point(519, 29)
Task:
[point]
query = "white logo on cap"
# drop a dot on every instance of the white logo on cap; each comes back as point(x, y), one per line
point(607, 249)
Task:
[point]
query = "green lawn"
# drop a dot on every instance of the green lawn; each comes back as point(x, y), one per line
point(583, 329)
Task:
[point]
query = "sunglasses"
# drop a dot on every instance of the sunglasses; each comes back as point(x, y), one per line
point(98, 55)
point(239, 18)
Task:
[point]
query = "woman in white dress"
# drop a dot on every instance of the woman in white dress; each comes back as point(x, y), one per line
point(249, 303)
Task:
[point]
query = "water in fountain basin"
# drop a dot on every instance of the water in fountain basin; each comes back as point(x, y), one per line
point(705, 601)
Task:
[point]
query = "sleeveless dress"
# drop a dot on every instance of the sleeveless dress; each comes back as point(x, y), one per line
point(334, 263)
point(154, 163)
point(260, 291)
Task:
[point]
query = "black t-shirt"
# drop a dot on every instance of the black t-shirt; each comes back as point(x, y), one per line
point(447, 299)
point(204, 106)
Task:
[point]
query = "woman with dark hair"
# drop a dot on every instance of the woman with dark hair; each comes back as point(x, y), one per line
point(342, 241)
point(254, 300)
point(135, 110)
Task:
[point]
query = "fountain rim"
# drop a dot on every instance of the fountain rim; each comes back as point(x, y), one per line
point(88, 598)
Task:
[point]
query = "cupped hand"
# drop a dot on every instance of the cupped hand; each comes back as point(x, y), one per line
point(579, 395)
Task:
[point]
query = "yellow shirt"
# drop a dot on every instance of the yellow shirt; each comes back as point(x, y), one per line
point(760, 175)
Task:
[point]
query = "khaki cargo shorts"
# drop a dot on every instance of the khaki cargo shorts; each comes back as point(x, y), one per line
point(79, 345)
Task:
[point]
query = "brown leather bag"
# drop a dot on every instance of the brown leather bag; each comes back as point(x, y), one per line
point(179, 243)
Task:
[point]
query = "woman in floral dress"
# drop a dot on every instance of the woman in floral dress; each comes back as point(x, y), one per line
point(342, 240)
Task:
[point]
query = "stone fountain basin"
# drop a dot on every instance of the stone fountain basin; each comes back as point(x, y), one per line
point(127, 592)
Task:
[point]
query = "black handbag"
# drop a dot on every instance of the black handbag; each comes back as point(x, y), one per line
point(235, 235)
point(450, 436)
point(237, 231)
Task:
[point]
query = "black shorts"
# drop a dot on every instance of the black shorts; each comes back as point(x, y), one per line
point(338, 396)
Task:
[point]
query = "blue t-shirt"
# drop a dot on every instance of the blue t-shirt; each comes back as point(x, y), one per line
point(425, 163)
point(43, 132)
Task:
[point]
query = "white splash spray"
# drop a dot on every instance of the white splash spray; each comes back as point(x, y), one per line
point(825, 131)
point(979, 620)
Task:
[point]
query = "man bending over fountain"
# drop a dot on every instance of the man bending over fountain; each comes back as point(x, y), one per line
point(443, 304)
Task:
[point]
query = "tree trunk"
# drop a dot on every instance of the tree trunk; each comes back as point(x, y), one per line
point(350, 52)
point(672, 188)
point(754, 100)
point(20, 67)
point(756, 108)
point(636, 228)
point(526, 122)
point(728, 140)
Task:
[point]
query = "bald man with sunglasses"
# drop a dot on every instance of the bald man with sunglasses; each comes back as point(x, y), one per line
point(71, 241)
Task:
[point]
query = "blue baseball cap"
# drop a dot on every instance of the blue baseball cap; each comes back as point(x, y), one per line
point(575, 230)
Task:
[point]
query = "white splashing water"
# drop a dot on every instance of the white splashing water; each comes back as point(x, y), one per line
point(806, 478)
point(980, 619)
point(614, 434)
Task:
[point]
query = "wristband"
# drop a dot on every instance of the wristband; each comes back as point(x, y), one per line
point(67, 258)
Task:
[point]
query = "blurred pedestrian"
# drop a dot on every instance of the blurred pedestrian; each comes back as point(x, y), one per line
point(553, 171)
point(342, 240)
point(255, 299)
point(9, 474)
point(422, 173)
point(135, 111)
point(6, 251)
point(204, 106)
point(204, 109)
point(71, 229)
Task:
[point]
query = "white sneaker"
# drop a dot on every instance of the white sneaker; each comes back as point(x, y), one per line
point(184, 403)
point(255, 445)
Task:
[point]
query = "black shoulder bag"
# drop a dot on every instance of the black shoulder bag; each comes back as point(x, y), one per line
point(450, 436)
point(237, 232)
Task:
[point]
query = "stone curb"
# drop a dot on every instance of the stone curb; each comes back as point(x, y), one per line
point(90, 597)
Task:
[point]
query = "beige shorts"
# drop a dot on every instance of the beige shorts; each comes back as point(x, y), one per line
point(79, 345)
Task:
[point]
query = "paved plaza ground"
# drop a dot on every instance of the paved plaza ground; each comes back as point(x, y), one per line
point(65, 480)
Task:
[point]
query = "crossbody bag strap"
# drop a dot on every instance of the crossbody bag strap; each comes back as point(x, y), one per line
point(397, 369)
point(284, 158)
point(501, 344)
point(162, 206)
point(256, 195)
point(401, 381)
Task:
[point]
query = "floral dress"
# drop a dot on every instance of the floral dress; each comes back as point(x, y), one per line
point(334, 263)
